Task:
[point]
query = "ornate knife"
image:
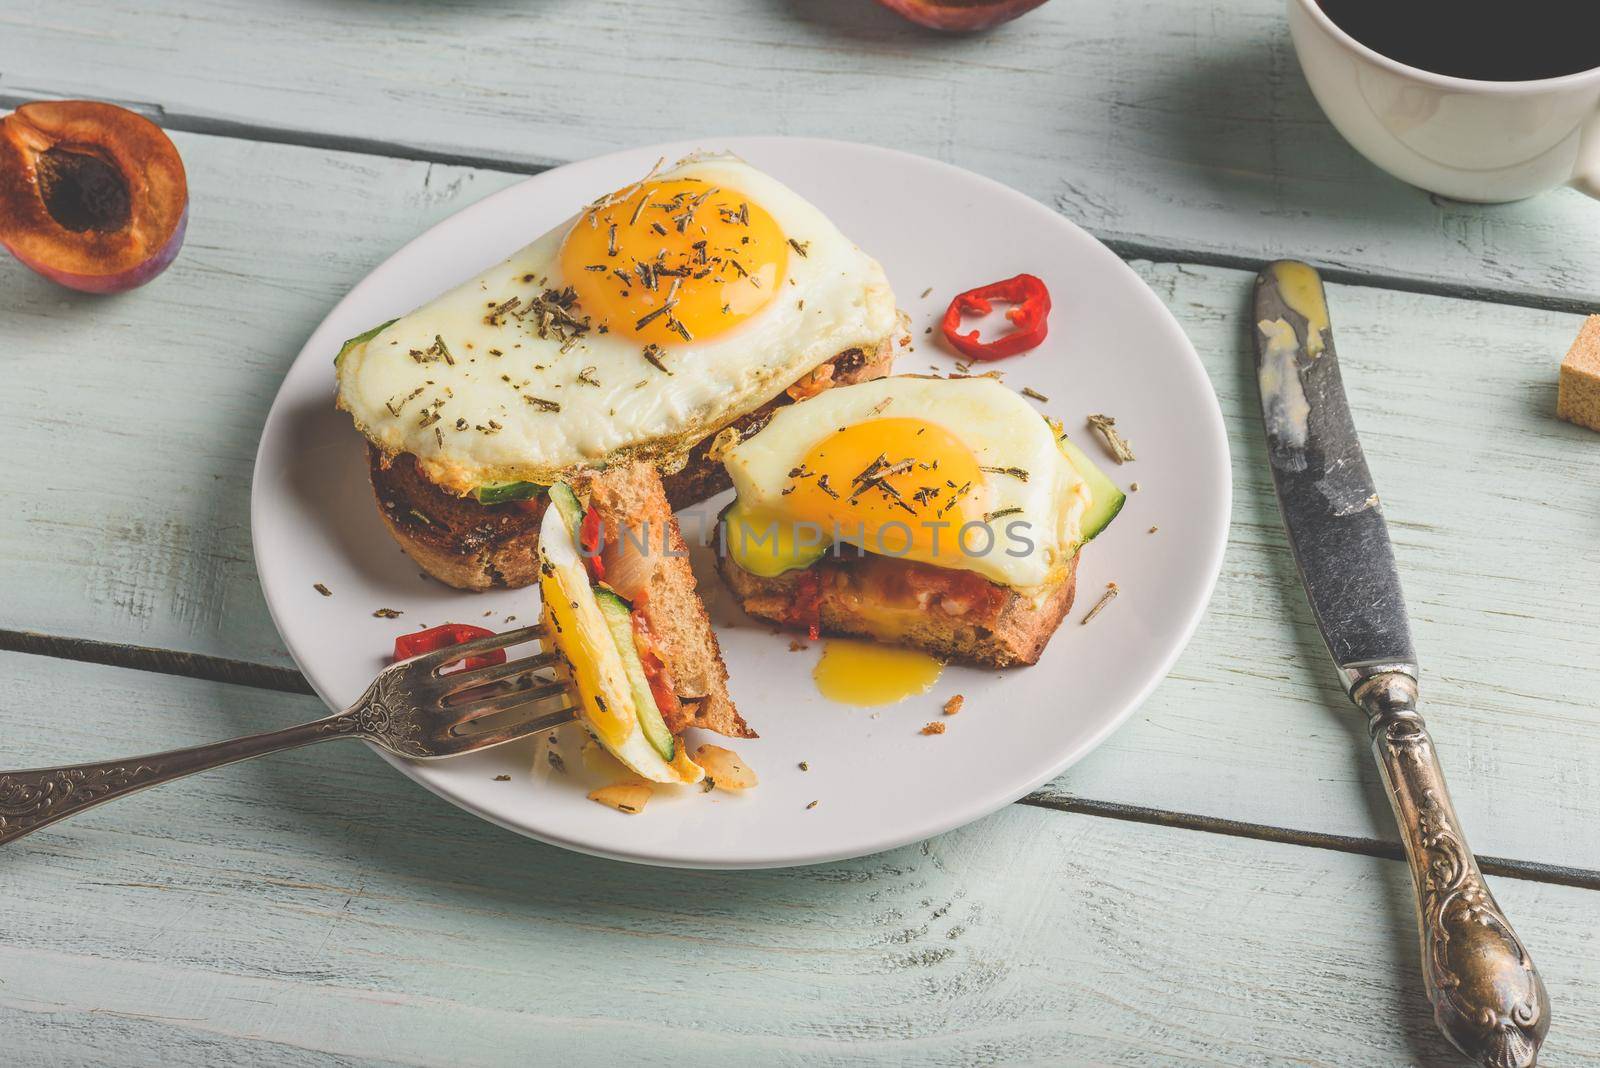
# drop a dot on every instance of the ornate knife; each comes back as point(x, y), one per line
point(1487, 996)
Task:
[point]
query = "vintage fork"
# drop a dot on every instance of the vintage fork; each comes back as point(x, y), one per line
point(412, 709)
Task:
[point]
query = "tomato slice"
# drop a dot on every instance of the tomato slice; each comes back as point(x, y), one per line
point(656, 671)
point(589, 542)
point(806, 608)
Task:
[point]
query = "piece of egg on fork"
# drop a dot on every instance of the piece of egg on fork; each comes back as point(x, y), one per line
point(576, 626)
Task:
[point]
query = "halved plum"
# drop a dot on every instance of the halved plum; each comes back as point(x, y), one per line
point(961, 16)
point(92, 196)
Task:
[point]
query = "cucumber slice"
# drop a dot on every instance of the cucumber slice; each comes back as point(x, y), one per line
point(564, 501)
point(766, 547)
point(1108, 499)
point(619, 618)
point(362, 338)
point(501, 492)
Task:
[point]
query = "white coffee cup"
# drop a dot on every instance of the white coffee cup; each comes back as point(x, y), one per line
point(1458, 137)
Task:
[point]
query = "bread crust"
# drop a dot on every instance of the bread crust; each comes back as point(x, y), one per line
point(473, 546)
point(458, 541)
point(669, 600)
point(955, 615)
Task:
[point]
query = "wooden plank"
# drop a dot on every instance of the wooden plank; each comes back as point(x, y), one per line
point(1492, 507)
point(317, 908)
point(1161, 126)
point(1455, 398)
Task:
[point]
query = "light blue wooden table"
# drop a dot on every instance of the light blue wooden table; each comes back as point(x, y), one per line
point(1216, 885)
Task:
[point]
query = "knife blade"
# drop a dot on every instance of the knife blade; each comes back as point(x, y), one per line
point(1486, 993)
point(1330, 506)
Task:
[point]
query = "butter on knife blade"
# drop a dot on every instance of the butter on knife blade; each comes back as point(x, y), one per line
point(1329, 502)
point(1283, 396)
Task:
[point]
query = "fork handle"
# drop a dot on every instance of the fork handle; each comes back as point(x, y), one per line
point(40, 796)
point(1487, 995)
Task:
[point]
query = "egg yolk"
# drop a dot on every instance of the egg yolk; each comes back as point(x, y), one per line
point(899, 487)
point(667, 262)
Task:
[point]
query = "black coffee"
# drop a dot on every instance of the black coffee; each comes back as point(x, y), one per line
point(1493, 40)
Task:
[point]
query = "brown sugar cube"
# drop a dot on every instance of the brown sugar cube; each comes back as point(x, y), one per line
point(1578, 397)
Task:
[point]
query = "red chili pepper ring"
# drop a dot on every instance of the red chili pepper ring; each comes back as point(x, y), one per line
point(1029, 314)
point(443, 636)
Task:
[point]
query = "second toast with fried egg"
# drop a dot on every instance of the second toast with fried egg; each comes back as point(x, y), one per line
point(943, 514)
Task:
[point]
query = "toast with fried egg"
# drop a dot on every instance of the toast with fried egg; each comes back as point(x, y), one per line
point(942, 514)
point(659, 317)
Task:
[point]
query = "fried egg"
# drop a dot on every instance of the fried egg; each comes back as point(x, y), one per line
point(959, 473)
point(657, 315)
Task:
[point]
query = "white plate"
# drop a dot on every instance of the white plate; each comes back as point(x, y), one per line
point(878, 783)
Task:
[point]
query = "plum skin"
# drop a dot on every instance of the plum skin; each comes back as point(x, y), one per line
point(961, 16)
point(118, 282)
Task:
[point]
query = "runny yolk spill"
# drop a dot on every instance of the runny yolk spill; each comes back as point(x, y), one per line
point(866, 673)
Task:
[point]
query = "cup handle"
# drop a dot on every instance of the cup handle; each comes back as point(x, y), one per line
point(1586, 175)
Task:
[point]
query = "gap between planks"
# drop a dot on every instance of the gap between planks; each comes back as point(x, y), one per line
point(1126, 249)
point(1530, 871)
point(287, 680)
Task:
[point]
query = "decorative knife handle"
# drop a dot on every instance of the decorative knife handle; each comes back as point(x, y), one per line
point(1487, 995)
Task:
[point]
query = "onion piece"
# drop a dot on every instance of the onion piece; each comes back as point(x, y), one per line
point(725, 766)
point(629, 797)
point(628, 567)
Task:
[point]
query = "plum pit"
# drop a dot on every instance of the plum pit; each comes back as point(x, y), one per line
point(81, 191)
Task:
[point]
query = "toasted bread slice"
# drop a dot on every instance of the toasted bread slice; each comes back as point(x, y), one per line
point(472, 546)
point(666, 597)
point(953, 614)
point(458, 541)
